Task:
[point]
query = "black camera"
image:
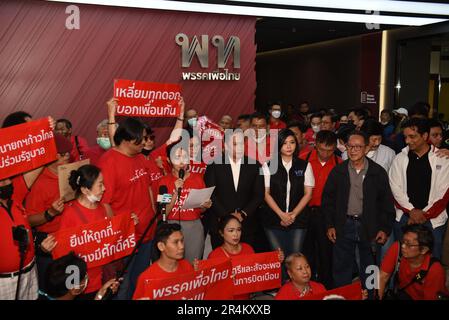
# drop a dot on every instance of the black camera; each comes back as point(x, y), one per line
point(20, 234)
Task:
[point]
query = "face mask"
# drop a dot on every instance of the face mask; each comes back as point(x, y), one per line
point(384, 123)
point(6, 192)
point(192, 122)
point(316, 129)
point(104, 143)
point(146, 152)
point(92, 198)
point(276, 114)
point(370, 154)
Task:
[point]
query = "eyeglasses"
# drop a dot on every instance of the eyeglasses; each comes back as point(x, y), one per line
point(408, 245)
point(356, 147)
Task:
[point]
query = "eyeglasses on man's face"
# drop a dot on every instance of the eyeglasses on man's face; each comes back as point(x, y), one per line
point(354, 147)
point(407, 244)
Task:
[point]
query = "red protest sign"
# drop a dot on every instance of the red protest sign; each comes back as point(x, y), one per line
point(212, 137)
point(25, 147)
point(349, 292)
point(147, 99)
point(256, 272)
point(211, 282)
point(100, 242)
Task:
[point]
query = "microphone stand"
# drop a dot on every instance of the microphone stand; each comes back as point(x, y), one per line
point(108, 295)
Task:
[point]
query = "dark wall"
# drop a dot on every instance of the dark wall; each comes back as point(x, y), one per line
point(414, 60)
point(327, 74)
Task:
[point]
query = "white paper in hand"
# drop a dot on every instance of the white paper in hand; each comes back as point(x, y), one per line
point(197, 197)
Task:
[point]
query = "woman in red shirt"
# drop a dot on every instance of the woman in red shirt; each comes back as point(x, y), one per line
point(299, 286)
point(230, 229)
point(189, 219)
point(87, 182)
point(168, 257)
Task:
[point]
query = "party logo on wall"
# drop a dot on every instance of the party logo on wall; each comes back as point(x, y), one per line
point(200, 47)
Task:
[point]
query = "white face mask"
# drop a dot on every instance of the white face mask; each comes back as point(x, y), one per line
point(316, 129)
point(276, 114)
point(384, 122)
point(93, 198)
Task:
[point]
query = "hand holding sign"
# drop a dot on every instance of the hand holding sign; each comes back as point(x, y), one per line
point(147, 99)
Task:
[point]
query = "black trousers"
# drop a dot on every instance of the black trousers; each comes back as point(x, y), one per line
point(318, 248)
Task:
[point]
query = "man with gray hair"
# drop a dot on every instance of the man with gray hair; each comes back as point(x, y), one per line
point(225, 122)
point(103, 143)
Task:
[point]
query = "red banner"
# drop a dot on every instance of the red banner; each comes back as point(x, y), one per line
point(100, 242)
point(211, 282)
point(212, 137)
point(147, 99)
point(349, 292)
point(256, 272)
point(25, 147)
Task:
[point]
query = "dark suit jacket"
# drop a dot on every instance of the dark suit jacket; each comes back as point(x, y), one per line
point(225, 200)
point(378, 206)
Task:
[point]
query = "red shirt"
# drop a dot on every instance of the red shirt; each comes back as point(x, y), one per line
point(280, 125)
point(94, 154)
point(289, 292)
point(9, 249)
point(161, 152)
point(304, 150)
point(320, 174)
point(253, 149)
point(155, 174)
point(75, 215)
point(197, 168)
point(310, 136)
point(156, 272)
point(194, 181)
point(432, 283)
point(82, 145)
point(43, 193)
point(128, 185)
point(221, 253)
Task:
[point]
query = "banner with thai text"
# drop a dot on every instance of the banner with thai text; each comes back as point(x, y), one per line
point(349, 292)
point(147, 99)
point(210, 282)
point(256, 272)
point(100, 242)
point(212, 138)
point(25, 147)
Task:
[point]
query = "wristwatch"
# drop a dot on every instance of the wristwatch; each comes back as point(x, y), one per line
point(48, 216)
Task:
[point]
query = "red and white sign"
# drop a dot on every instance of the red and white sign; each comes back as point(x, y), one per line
point(100, 242)
point(211, 282)
point(147, 99)
point(25, 147)
point(212, 138)
point(256, 272)
point(349, 292)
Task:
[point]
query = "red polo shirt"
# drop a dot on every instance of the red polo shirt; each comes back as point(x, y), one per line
point(434, 281)
point(82, 145)
point(289, 292)
point(156, 272)
point(43, 193)
point(94, 154)
point(127, 184)
point(9, 249)
point(279, 125)
point(194, 181)
point(320, 172)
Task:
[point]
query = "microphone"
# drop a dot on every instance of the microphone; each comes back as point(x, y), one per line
point(181, 175)
point(163, 190)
